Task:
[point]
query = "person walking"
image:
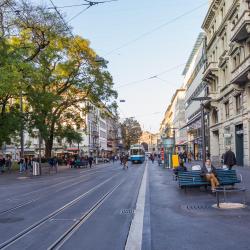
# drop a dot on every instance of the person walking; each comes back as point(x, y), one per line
point(2, 164)
point(21, 165)
point(189, 157)
point(8, 164)
point(229, 159)
point(90, 160)
point(125, 162)
point(185, 156)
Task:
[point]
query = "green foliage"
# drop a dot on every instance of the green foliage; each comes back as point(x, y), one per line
point(131, 132)
point(54, 72)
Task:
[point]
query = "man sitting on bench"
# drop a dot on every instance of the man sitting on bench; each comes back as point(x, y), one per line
point(209, 173)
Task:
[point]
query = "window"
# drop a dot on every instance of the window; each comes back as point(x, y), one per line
point(227, 136)
point(227, 109)
point(214, 86)
point(239, 103)
point(215, 116)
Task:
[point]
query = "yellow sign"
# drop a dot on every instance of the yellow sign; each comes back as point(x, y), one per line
point(175, 160)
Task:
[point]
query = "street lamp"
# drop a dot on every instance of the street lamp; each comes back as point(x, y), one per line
point(203, 135)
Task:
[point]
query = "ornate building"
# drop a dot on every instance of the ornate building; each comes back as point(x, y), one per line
point(227, 73)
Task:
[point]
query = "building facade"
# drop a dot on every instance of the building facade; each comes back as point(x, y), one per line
point(227, 73)
point(195, 87)
point(172, 125)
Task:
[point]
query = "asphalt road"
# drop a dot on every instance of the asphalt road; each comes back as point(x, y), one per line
point(107, 208)
point(77, 209)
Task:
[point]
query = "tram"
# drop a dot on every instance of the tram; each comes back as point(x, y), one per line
point(137, 153)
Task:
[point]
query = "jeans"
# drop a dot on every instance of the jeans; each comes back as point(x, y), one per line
point(21, 167)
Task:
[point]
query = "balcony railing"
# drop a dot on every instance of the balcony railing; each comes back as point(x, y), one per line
point(240, 74)
point(210, 70)
point(241, 29)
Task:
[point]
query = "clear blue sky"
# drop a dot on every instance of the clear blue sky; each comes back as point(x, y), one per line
point(110, 25)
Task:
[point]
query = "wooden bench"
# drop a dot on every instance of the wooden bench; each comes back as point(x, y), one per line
point(194, 179)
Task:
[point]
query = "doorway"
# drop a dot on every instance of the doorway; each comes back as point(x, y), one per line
point(239, 143)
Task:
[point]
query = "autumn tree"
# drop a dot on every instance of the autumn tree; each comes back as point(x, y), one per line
point(25, 30)
point(65, 77)
point(131, 132)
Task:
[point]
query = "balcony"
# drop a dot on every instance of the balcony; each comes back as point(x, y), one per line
point(211, 71)
point(240, 75)
point(241, 30)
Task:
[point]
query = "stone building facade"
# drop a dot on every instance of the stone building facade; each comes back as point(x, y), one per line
point(195, 87)
point(227, 74)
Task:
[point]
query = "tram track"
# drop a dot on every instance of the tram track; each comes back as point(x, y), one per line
point(21, 205)
point(67, 234)
point(45, 219)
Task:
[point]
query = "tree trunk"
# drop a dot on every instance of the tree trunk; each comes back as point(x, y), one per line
point(49, 141)
point(48, 148)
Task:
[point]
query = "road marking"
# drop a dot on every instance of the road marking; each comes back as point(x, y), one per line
point(134, 240)
point(39, 223)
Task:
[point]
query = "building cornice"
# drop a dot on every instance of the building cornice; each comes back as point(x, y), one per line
point(210, 14)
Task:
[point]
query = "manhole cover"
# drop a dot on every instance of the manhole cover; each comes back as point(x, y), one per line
point(228, 205)
point(22, 178)
point(10, 220)
point(127, 211)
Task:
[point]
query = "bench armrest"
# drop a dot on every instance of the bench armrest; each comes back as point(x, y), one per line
point(193, 179)
point(240, 177)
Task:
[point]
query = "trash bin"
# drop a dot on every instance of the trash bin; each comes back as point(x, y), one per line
point(36, 169)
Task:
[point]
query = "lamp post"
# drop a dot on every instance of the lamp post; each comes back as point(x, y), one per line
point(203, 129)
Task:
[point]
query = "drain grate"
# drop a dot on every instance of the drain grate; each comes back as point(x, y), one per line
point(197, 207)
point(127, 211)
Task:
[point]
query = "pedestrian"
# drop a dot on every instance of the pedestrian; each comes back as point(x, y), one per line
point(208, 155)
point(125, 161)
point(21, 165)
point(208, 172)
point(152, 158)
point(90, 160)
point(2, 164)
point(180, 168)
point(184, 156)
point(8, 164)
point(229, 159)
point(189, 157)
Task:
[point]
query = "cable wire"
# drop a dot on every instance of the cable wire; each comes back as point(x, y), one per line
point(156, 29)
point(152, 77)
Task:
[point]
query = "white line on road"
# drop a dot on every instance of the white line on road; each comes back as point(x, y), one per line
point(134, 241)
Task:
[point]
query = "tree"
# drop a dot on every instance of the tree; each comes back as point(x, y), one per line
point(54, 72)
point(64, 78)
point(25, 30)
point(131, 132)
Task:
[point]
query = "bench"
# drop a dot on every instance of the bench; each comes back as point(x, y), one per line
point(193, 178)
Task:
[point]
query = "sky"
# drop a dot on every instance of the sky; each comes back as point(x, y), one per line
point(140, 39)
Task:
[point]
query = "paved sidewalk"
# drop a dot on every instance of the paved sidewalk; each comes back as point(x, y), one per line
point(15, 175)
point(180, 220)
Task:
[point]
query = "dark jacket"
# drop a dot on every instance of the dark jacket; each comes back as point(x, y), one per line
point(229, 158)
point(204, 171)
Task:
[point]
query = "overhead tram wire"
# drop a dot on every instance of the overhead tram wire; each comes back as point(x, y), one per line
point(90, 4)
point(152, 77)
point(87, 3)
point(156, 28)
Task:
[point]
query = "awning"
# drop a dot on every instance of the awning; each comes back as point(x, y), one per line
point(72, 149)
